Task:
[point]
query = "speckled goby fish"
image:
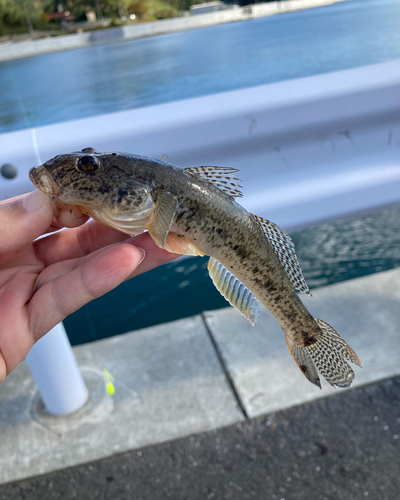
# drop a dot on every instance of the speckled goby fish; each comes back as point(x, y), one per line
point(193, 211)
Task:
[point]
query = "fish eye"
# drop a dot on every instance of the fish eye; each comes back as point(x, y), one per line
point(88, 164)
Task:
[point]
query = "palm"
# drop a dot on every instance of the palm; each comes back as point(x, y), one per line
point(44, 281)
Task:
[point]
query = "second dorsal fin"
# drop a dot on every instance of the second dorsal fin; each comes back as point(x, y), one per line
point(222, 177)
point(284, 249)
point(239, 296)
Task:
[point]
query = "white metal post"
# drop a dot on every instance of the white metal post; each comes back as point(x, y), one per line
point(56, 373)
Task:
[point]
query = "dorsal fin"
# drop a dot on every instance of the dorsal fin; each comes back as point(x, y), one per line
point(284, 248)
point(239, 296)
point(222, 177)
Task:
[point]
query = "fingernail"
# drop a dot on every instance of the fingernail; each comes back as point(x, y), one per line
point(143, 255)
point(35, 201)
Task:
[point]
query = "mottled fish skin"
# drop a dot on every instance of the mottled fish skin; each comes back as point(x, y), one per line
point(217, 225)
point(223, 229)
point(122, 185)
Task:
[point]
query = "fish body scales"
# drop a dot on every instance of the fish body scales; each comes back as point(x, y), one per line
point(193, 211)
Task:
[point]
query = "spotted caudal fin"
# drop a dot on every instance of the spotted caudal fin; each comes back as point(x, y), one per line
point(327, 354)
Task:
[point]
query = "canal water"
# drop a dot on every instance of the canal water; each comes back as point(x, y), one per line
point(103, 79)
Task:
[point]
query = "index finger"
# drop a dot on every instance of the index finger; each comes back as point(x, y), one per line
point(76, 242)
point(81, 241)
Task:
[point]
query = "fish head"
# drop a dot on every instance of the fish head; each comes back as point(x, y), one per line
point(100, 184)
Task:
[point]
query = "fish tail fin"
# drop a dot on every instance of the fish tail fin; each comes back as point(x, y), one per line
point(327, 352)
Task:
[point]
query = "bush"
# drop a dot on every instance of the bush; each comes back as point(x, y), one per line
point(139, 8)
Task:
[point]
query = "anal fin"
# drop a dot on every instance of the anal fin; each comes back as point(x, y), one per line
point(238, 295)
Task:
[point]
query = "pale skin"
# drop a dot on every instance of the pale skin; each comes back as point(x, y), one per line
point(44, 280)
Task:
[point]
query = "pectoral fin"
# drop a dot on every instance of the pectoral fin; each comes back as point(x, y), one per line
point(163, 216)
point(233, 290)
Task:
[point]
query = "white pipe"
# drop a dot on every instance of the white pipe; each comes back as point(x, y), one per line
point(56, 373)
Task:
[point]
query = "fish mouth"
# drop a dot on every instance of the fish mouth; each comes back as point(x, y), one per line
point(43, 181)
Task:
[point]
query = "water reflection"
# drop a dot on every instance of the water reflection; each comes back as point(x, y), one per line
point(351, 248)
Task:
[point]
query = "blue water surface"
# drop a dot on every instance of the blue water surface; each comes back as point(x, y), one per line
point(92, 81)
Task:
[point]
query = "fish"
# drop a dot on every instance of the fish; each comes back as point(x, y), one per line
point(193, 211)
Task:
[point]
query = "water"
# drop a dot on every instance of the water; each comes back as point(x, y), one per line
point(86, 82)
point(328, 254)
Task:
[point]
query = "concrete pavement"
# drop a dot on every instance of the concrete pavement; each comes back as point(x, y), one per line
point(344, 447)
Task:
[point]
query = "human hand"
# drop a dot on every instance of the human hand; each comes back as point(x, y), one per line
point(43, 281)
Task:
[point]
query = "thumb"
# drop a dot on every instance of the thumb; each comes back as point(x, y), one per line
point(23, 219)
